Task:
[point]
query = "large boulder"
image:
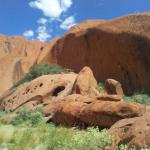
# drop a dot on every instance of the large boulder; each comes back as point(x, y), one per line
point(78, 110)
point(117, 49)
point(113, 87)
point(132, 132)
point(86, 83)
point(40, 90)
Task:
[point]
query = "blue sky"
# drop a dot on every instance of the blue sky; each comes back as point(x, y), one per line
point(47, 19)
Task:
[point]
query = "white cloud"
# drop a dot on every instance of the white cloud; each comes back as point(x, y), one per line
point(42, 21)
point(65, 4)
point(68, 23)
point(28, 33)
point(43, 34)
point(54, 16)
point(51, 8)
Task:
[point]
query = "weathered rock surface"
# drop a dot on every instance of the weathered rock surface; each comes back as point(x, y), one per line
point(71, 99)
point(113, 87)
point(132, 131)
point(78, 110)
point(17, 55)
point(46, 56)
point(117, 49)
point(86, 83)
point(40, 90)
point(49, 87)
point(113, 49)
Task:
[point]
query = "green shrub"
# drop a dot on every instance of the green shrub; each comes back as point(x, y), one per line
point(27, 118)
point(39, 70)
point(27, 131)
point(49, 137)
point(139, 98)
point(22, 117)
point(100, 87)
point(125, 147)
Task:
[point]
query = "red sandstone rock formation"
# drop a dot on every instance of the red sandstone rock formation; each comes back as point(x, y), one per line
point(17, 55)
point(86, 83)
point(113, 87)
point(132, 131)
point(39, 91)
point(117, 49)
point(85, 107)
point(77, 110)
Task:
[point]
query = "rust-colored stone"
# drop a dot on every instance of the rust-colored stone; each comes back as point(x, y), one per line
point(117, 49)
point(132, 132)
point(86, 83)
point(40, 90)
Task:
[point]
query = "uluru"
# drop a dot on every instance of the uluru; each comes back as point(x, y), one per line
point(74, 75)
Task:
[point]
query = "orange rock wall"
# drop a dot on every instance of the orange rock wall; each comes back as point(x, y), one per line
point(117, 49)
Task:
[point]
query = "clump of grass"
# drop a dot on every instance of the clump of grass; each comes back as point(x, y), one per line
point(139, 98)
point(39, 70)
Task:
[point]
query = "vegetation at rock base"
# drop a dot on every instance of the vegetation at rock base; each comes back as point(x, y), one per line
point(125, 147)
point(100, 87)
point(139, 98)
point(27, 131)
point(39, 70)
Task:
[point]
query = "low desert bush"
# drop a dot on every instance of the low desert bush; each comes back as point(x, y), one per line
point(22, 117)
point(27, 131)
point(139, 98)
point(125, 147)
point(39, 70)
point(49, 137)
point(100, 87)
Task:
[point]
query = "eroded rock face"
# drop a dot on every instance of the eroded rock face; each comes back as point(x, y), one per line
point(132, 132)
point(113, 87)
point(118, 49)
point(78, 110)
point(46, 56)
point(112, 49)
point(86, 83)
point(17, 55)
point(73, 100)
point(40, 90)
